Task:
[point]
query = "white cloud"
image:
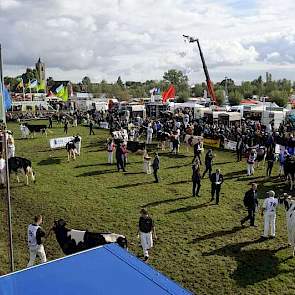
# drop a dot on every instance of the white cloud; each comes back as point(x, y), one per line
point(141, 39)
point(8, 4)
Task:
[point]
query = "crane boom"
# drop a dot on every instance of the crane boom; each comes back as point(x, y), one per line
point(208, 81)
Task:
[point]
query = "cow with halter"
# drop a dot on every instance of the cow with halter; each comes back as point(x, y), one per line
point(72, 241)
point(260, 153)
point(16, 164)
point(71, 147)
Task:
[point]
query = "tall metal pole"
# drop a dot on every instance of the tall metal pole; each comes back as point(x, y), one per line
point(8, 198)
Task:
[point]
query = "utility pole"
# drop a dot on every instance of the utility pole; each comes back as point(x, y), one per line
point(8, 198)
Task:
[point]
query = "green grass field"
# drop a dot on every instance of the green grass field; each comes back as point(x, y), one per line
point(200, 245)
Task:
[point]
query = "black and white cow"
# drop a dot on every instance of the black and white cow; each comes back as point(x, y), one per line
point(260, 152)
point(42, 128)
point(73, 241)
point(16, 164)
point(71, 148)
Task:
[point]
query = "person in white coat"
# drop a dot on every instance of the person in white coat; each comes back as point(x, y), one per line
point(250, 162)
point(10, 145)
point(35, 235)
point(149, 132)
point(269, 208)
point(2, 171)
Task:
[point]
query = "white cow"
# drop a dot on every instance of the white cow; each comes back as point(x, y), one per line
point(25, 132)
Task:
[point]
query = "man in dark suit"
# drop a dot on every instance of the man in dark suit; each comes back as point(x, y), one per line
point(216, 182)
point(197, 151)
point(156, 166)
point(208, 162)
point(240, 148)
point(251, 203)
point(196, 178)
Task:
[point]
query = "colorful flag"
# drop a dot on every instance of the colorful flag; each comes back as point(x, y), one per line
point(41, 86)
point(33, 84)
point(20, 84)
point(5, 97)
point(59, 88)
point(169, 94)
point(62, 92)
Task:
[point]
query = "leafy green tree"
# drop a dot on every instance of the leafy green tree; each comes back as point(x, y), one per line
point(279, 97)
point(86, 81)
point(50, 82)
point(198, 90)
point(177, 78)
point(219, 96)
point(182, 96)
point(119, 82)
point(235, 97)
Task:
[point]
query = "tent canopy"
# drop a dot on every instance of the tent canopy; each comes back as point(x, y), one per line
point(106, 270)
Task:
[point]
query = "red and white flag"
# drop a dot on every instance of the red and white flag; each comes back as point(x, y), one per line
point(169, 94)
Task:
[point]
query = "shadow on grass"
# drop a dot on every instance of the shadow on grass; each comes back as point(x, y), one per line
point(169, 155)
point(133, 184)
point(235, 174)
point(92, 165)
point(223, 163)
point(254, 265)
point(180, 182)
point(134, 173)
point(97, 143)
point(217, 234)
point(179, 166)
point(189, 208)
point(94, 173)
point(279, 186)
point(156, 203)
point(50, 161)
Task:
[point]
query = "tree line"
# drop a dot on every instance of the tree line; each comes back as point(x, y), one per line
point(277, 90)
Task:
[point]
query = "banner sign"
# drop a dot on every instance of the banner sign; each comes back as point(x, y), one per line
point(60, 142)
point(104, 125)
point(212, 142)
point(230, 144)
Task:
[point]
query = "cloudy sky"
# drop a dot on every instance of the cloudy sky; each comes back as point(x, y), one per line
point(140, 39)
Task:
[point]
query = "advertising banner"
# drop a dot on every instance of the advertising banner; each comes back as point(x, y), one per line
point(230, 144)
point(212, 142)
point(60, 142)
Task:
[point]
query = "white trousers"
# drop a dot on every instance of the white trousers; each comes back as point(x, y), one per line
point(149, 138)
point(250, 169)
point(147, 167)
point(78, 147)
point(34, 251)
point(269, 224)
point(2, 175)
point(110, 157)
point(146, 242)
point(11, 151)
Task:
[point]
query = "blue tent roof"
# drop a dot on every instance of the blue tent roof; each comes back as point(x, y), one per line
point(104, 270)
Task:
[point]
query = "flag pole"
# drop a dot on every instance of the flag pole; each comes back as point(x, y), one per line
point(24, 94)
point(3, 119)
point(30, 89)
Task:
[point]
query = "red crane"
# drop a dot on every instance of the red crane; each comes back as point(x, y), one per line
point(208, 81)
